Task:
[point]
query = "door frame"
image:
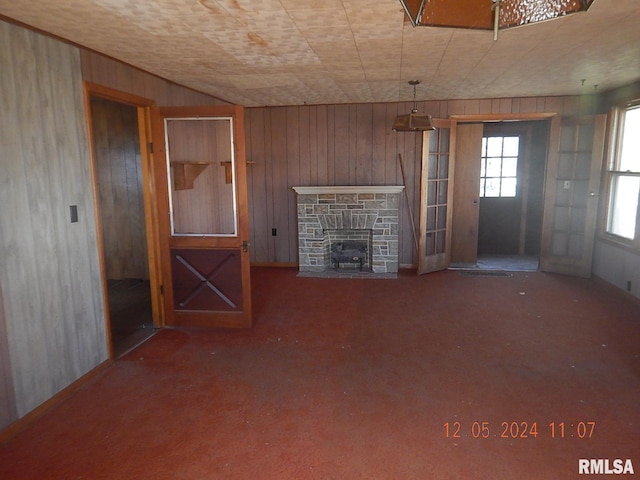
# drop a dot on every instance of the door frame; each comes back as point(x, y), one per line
point(143, 106)
point(490, 118)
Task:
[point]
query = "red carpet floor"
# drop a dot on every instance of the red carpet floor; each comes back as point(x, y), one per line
point(359, 379)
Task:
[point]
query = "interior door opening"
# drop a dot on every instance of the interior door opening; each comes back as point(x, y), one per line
point(119, 182)
point(511, 199)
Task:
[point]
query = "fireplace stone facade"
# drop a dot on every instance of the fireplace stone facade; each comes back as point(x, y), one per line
point(372, 210)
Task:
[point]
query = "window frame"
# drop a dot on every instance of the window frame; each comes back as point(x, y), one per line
point(612, 173)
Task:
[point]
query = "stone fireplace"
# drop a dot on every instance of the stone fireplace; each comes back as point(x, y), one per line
point(348, 228)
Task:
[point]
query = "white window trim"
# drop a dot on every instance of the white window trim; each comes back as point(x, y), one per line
point(611, 172)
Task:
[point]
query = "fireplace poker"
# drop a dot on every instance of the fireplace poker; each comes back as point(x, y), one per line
point(406, 195)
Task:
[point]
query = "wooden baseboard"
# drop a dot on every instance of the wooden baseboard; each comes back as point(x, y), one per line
point(23, 422)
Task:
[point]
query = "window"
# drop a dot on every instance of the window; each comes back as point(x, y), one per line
point(624, 176)
point(499, 168)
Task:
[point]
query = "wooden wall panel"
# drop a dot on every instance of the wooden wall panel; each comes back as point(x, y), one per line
point(119, 175)
point(280, 191)
point(349, 145)
point(50, 276)
point(257, 184)
point(110, 73)
point(8, 413)
point(294, 158)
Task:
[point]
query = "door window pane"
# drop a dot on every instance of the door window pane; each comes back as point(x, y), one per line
point(201, 176)
point(499, 166)
point(511, 146)
point(510, 167)
point(492, 187)
point(508, 187)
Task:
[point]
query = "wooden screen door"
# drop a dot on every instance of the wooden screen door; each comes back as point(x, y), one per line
point(436, 193)
point(576, 148)
point(203, 215)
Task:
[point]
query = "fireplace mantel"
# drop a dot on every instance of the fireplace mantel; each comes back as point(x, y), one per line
point(349, 189)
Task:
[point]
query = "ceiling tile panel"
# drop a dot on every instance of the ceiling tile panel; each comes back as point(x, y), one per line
point(277, 52)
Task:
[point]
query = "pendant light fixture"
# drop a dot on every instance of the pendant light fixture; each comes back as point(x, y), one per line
point(413, 122)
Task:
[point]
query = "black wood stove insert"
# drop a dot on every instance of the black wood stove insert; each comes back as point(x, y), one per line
point(349, 252)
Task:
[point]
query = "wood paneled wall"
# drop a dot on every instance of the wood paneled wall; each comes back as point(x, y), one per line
point(7, 396)
point(119, 175)
point(49, 270)
point(348, 145)
point(110, 73)
point(50, 276)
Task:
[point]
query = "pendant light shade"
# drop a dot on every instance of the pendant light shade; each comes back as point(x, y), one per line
point(413, 122)
point(478, 14)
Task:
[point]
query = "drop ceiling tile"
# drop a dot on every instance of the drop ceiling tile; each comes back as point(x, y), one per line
point(364, 50)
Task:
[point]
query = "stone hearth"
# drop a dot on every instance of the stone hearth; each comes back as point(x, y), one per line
point(369, 211)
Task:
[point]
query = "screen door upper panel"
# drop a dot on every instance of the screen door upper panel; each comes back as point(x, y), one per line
point(201, 176)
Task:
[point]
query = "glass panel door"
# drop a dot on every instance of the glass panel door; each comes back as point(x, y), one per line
point(436, 184)
point(571, 198)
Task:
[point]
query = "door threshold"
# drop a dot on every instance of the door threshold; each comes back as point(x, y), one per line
point(505, 263)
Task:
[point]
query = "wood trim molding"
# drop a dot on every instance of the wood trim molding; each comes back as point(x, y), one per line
point(502, 117)
point(117, 96)
point(349, 189)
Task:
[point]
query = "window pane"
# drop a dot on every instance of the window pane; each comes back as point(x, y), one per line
point(200, 158)
point(508, 187)
point(510, 167)
point(494, 146)
point(442, 192)
point(492, 187)
point(624, 206)
point(443, 167)
point(511, 146)
point(630, 148)
point(493, 167)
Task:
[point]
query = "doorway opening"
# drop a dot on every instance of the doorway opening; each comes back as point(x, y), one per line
point(119, 187)
point(511, 202)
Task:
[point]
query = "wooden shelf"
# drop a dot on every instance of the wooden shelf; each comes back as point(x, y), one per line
point(185, 173)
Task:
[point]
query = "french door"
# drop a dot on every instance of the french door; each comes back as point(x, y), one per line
point(576, 149)
point(200, 171)
point(436, 194)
